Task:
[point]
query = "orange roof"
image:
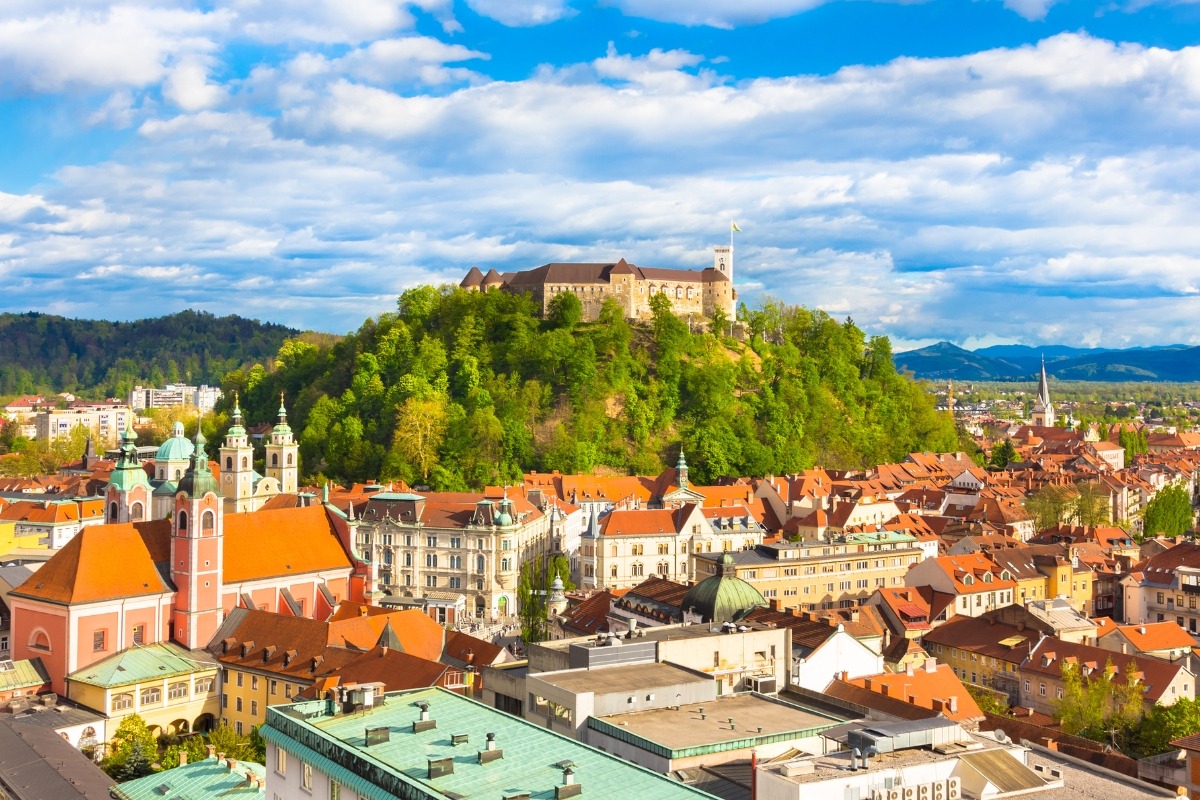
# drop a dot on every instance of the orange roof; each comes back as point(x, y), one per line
point(933, 686)
point(103, 562)
point(44, 511)
point(418, 633)
point(1151, 636)
point(286, 541)
point(646, 522)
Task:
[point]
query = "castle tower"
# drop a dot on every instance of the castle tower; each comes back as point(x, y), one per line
point(197, 553)
point(1043, 409)
point(723, 260)
point(237, 465)
point(127, 496)
point(283, 454)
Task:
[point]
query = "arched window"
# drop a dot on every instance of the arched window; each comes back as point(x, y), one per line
point(689, 293)
point(112, 512)
point(244, 464)
point(121, 702)
point(162, 474)
point(135, 512)
point(664, 568)
point(182, 521)
point(40, 640)
point(505, 565)
point(228, 462)
point(613, 570)
point(178, 474)
point(274, 459)
point(289, 459)
point(636, 570)
point(208, 521)
point(678, 292)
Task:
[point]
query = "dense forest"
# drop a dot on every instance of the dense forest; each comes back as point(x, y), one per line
point(460, 389)
point(46, 353)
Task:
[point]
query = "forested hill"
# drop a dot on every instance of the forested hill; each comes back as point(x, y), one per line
point(44, 353)
point(462, 389)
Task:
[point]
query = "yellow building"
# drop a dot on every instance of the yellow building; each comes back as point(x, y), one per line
point(10, 540)
point(174, 690)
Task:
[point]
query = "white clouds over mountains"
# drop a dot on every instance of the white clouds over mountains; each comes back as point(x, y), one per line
point(1017, 192)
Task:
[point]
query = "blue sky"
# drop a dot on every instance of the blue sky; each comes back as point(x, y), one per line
point(981, 171)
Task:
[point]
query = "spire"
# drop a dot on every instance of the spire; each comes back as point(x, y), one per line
point(199, 479)
point(236, 428)
point(682, 468)
point(282, 426)
point(1044, 385)
point(282, 409)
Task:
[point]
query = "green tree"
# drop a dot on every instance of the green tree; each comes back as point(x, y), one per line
point(1049, 505)
point(988, 700)
point(1003, 454)
point(193, 746)
point(1092, 505)
point(233, 744)
point(1169, 513)
point(420, 430)
point(564, 310)
point(131, 751)
point(1162, 724)
point(533, 586)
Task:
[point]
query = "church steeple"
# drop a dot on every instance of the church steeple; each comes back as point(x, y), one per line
point(237, 464)
point(283, 454)
point(681, 468)
point(197, 552)
point(127, 495)
point(1043, 409)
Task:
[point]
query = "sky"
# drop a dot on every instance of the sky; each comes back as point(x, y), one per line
point(978, 171)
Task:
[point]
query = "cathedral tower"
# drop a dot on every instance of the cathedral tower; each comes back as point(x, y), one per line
point(283, 454)
point(127, 496)
point(1043, 409)
point(197, 553)
point(237, 465)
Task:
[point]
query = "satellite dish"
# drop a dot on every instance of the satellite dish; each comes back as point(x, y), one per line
point(1000, 735)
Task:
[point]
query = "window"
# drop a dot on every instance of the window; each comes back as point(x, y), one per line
point(431, 560)
point(254, 682)
point(122, 702)
point(281, 761)
point(455, 562)
point(1042, 689)
point(98, 640)
point(431, 541)
point(254, 708)
point(455, 583)
point(637, 549)
point(430, 581)
point(177, 691)
point(613, 570)
point(151, 695)
point(636, 570)
point(306, 777)
point(335, 790)
point(238, 702)
point(505, 564)
point(274, 687)
point(239, 679)
point(408, 559)
point(455, 542)
point(139, 634)
point(224, 701)
point(208, 521)
point(237, 726)
point(479, 563)
point(204, 685)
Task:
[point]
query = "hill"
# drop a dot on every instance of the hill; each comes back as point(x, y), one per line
point(944, 361)
point(43, 352)
point(463, 389)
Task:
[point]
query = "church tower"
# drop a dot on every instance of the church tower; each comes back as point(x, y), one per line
point(127, 496)
point(197, 553)
point(1043, 409)
point(283, 454)
point(237, 465)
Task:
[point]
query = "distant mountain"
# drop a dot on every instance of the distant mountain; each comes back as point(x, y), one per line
point(47, 353)
point(943, 361)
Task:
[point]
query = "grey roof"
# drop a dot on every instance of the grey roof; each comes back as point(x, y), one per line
point(14, 576)
point(37, 764)
point(64, 714)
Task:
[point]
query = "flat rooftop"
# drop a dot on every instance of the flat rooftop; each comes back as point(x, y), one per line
point(397, 764)
point(621, 678)
point(837, 764)
point(755, 717)
point(659, 633)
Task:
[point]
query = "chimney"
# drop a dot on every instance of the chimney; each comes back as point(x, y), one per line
point(953, 704)
point(931, 665)
point(182, 757)
point(210, 750)
point(232, 763)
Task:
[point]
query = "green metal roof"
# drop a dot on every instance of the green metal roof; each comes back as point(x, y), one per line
point(199, 480)
point(128, 472)
point(195, 781)
point(531, 760)
point(723, 597)
point(176, 448)
point(22, 674)
point(144, 663)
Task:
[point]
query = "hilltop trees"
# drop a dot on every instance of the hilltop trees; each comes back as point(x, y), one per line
point(463, 389)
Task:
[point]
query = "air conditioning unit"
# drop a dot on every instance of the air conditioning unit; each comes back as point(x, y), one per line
point(954, 789)
point(764, 684)
point(910, 793)
point(895, 794)
point(923, 792)
point(939, 790)
point(878, 794)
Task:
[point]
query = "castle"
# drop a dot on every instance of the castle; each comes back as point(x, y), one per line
point(692, 292)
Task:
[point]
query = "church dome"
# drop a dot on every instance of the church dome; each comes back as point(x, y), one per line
point(723, 597)
point(199, 480)
point(177, 448)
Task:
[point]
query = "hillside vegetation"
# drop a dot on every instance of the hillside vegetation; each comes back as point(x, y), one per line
point(47, 353)
point(461, 389)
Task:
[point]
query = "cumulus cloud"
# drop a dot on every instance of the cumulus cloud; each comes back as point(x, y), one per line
point(103, 47)
point(522, 13)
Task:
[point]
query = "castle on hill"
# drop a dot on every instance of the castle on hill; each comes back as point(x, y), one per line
point(692, 292)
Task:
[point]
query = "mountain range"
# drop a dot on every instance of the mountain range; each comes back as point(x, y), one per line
point(1011, 362)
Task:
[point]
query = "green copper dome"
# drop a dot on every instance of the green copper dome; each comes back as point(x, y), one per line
point(236, 428)
point(177, 448)
point(199, 479)
point(504, 518)
point(724, 597)
point(128, 472)
point(282, 426)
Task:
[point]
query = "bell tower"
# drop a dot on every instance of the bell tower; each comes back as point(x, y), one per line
point(127, 496)
point(237, 465)
point(283, 454)
point(197, 553)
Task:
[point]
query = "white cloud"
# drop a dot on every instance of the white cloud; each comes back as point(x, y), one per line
point(122, 46)
point(188, 87)
point(1031, 10)
point(522, 13)
point(333, 21)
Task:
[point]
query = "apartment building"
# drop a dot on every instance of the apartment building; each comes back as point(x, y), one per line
point(813, 574)
point(105, 422)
